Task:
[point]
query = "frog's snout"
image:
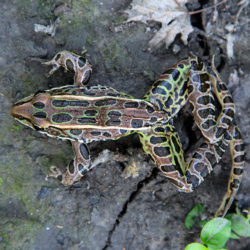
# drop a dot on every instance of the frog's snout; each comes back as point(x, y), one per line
point(21, 111)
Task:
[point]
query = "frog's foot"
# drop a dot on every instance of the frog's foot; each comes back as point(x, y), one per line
point(67, 178)
point(72, 62)
point(55, 173)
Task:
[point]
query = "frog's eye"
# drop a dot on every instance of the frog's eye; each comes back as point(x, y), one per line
point(19, 117)
point(37, 128)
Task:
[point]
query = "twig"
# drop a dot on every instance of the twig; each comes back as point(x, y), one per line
point(243, 4)
point(205, 9)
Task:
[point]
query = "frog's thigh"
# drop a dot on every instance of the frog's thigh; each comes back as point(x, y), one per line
point(166, 150)
point(79, 166)
point(201, 97)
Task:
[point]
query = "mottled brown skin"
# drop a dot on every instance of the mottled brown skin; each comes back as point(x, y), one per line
point(85, 114)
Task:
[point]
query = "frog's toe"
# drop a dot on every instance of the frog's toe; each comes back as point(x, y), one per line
point(55, 173)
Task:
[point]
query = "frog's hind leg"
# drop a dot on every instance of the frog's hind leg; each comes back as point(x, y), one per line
point(76, 168)
point(72, 62)
point(164, 146)
point(216, 131)
point(238, 155)
point(203, 103)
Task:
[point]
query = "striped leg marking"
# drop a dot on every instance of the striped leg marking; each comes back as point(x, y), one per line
point(238, 155)
point(202, 99)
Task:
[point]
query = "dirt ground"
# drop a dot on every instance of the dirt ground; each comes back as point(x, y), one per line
point(124, 203)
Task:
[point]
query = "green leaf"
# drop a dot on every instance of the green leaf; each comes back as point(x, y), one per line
point(190, 218)
point(240, 224)
point(195, 246)
point(216, 232)
point(234, 236)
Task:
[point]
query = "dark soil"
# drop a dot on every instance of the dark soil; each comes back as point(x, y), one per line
point(125, 203)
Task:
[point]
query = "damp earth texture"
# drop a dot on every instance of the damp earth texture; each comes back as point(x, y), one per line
point(154, 121)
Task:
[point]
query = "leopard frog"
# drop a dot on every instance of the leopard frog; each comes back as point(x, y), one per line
point(84, 114)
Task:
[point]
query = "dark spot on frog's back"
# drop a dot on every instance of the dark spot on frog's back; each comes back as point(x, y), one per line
point(105, 102)
point(113, 94)
point(75, 131)
point(114, 114)
point(87, 120)
point(131, 105)
point(61, 118)
point(39, 105)
point(113, 122)
point(136, 123)
point(106, 134)
point(72, 103)
point(95, 133)
point(40, 115)
point(90, 112)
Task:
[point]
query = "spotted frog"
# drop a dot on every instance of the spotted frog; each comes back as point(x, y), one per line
point(84, 114)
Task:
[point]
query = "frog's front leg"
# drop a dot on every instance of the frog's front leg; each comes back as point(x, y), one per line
point(72, 62)
point(76, 168)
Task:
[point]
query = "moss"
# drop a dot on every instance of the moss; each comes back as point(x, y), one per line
point(15, 128)
point(120, 19)
point(18, 233)
point(43, 8)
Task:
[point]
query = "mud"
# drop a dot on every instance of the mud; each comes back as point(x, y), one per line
point(113, 207)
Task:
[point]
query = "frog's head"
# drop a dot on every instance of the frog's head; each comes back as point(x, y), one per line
point(32, 111)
